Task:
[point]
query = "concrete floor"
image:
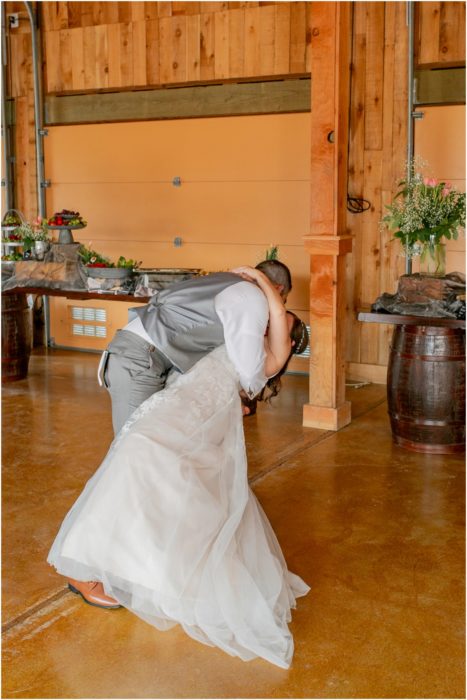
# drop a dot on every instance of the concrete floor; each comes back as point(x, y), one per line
point(377, 531)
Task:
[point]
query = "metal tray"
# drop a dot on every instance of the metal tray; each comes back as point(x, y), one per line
point(168, 271)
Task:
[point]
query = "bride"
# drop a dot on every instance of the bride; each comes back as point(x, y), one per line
point(168, 524)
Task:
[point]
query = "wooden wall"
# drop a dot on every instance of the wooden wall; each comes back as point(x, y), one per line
point(111, 45)
point(92, 47)
point(378, 147)
point(378, 152)
point(440, 34)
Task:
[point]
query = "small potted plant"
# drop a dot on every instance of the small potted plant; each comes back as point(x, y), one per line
point(424, 213)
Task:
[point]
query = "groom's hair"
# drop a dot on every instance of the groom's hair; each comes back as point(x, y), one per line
point(277, 272)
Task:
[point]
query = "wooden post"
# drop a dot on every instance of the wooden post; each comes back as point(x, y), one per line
point(327, 242)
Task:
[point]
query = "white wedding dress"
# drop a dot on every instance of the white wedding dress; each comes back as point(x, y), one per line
point(171, 528)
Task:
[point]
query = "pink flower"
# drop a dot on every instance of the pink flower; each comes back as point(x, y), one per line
point(446, 189)
point(430, 181)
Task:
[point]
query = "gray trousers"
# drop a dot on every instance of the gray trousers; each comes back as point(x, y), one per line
point(135, 370)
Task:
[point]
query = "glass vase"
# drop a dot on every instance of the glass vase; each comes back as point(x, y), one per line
point(433, 259)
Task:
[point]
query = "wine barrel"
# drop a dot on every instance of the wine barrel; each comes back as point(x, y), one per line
point(16, 336)
point(426, 388)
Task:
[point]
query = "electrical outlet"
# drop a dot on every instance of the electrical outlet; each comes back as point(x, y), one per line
point(13, 20)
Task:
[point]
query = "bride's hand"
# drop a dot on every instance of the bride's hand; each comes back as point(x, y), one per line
point(252, 275)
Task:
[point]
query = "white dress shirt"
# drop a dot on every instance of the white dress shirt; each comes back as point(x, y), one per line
point(244, 313)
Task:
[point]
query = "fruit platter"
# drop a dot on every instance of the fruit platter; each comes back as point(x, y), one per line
point(66, 219)
point(65, 222)
point(10, 222)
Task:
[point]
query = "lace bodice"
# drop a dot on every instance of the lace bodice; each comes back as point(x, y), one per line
point(211, 381)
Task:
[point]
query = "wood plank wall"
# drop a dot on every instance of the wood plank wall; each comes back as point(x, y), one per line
point(440, 34)
point(378, 142)
point(93, 46)
point(114, 45)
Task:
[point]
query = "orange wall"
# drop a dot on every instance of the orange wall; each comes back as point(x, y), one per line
point(440, 140)
point(245, 186)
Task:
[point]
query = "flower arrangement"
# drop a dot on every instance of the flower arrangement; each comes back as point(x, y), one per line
point(425, 211)
point(35, 231)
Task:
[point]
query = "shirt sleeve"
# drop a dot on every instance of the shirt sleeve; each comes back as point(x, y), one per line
point(244, 313)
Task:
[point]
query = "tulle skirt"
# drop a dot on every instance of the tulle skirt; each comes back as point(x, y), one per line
point(171, 528)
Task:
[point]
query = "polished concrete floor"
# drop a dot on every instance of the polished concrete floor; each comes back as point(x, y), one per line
point(377, 531)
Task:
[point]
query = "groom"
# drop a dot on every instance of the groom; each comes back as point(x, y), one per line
point(182, 324)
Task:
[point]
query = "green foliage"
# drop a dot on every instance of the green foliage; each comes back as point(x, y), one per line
point(123, 262)
point(272, 253)
point(37, 231)
point(91, 257)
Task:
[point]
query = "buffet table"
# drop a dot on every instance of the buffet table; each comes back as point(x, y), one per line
point(426, 381)
point(78, 294)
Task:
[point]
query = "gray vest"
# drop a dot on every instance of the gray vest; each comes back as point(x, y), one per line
point(182, 321)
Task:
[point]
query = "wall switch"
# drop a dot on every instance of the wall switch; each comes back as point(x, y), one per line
point(13, 20)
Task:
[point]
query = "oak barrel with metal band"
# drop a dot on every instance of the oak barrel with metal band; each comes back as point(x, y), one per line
point(16, 337)
point(426, 388)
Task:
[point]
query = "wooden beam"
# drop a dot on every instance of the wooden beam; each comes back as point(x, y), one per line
point(267, 97)
point(327, 242)
point(440, 87)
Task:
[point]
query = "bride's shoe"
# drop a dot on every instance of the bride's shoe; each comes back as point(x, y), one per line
point(92, 592)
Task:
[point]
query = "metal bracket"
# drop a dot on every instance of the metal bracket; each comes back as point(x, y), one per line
point(46, 183)
point(43, 132)
point(177, 181)
point(418, 115)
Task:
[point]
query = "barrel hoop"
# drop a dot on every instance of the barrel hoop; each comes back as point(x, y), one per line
point(408, 420)
point(429, 449)
point(429, 358)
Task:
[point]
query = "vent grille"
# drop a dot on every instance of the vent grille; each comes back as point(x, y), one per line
point(89, 331)
point(81, 313)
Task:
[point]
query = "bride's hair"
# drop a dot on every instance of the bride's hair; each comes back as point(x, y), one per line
point(299, 335)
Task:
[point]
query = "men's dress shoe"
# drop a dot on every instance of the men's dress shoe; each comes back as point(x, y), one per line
point(92, 592)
